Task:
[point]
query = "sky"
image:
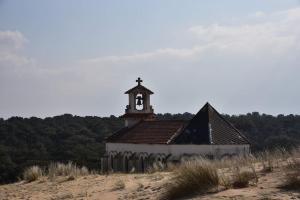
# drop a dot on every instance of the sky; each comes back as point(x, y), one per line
point(79, 57)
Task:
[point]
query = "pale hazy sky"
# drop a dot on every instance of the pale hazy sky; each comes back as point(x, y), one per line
point(79, 57)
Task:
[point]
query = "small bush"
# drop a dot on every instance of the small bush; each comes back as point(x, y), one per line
point(192, 177)
point(32, 173)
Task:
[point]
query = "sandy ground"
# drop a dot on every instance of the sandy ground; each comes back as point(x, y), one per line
point(136, 186)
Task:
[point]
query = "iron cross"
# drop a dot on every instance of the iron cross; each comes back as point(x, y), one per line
point(139, 80)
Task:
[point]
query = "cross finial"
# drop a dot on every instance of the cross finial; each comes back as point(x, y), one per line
point(139, 80)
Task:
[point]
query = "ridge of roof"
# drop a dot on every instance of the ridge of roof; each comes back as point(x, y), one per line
point(176, 134)
point(186, 137)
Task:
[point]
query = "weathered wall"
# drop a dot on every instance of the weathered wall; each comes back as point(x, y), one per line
point(178, 150)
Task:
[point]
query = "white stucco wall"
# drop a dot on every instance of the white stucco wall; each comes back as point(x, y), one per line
point(178, 150)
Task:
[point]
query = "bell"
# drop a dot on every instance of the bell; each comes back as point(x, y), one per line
point(139, 102)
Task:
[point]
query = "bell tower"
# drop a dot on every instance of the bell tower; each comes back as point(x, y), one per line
point(139, 107)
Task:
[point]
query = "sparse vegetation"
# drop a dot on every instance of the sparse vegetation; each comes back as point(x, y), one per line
point(195, 176)
point(202, 175)
point(32, 173)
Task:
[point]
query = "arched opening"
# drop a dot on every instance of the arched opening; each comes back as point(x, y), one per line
point(142, 165)
point(126, 167)
point(112, 162)
point(139, 101)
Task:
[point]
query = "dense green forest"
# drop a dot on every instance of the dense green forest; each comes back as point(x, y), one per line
point(28, 141)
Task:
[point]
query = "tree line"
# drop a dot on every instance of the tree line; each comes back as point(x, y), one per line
point(28, 141)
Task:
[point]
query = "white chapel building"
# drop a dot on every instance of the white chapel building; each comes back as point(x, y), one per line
point(145, 140)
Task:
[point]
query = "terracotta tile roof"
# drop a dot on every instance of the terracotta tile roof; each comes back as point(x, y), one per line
point(206, 127)
point(138, 115)
point(148, 132)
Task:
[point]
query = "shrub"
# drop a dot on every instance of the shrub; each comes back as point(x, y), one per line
point(192, 177)
point(32, 173)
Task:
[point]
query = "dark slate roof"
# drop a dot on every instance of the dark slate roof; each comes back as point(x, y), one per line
point(148, 132)
point(206, 127)
point(209, 127)
point(139, 88)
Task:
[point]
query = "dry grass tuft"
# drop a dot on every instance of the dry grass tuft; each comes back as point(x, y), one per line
point(32, 173)
point(198, 176)
point(267, 160)
point(69, 170)
point(119, 185)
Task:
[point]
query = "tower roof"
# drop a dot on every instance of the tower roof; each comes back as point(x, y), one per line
point(209, 127)
point(139, 88)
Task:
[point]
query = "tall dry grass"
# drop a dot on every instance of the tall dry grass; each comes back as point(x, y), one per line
point(54, 170)
point(273, 159)
point(192, 177)
point(69, 169)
